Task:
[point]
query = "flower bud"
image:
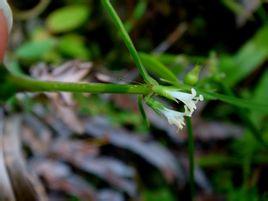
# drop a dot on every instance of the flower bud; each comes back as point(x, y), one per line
point(193, 76)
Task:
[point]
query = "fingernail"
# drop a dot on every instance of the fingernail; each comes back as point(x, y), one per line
point(7, 13)
point(3, 35)
point(6, 21)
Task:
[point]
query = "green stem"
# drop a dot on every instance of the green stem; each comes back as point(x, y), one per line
point(142, 111)
point(24, 83)
point(128, 42)
point(191, 156)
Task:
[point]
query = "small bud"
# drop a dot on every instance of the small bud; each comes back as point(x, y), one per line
point(193, 76)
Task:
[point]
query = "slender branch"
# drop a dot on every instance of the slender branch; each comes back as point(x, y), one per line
point(128, 42)
point(191, 156)
point(27, 14)
point(24, 83)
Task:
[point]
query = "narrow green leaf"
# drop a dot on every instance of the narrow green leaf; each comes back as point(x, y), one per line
point(178, 63)
point(234, 6)
point(260, 95)
point(248, 58)
point(153, 65)
point(137, 14)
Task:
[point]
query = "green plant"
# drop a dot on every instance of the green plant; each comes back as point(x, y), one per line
point(14, 81)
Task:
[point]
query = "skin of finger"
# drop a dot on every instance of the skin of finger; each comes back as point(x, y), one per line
point(3, 35)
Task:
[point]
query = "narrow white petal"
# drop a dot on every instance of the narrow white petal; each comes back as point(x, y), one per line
point(174, 117)
point(189, 99)
point(193, 92)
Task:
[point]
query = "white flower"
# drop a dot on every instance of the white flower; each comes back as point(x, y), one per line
point(189, 99)
point(7, 13)
point(174, 117)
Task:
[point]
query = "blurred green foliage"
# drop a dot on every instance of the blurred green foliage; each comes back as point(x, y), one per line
point(67, 19)
point(85, 36)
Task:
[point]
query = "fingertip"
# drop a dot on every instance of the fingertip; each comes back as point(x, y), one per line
point(3, 35)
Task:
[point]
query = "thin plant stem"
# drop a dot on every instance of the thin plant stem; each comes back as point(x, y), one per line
point(142, 111)
point(191, 157)
point(37, 10)
point(127, 40)
point(24, 83)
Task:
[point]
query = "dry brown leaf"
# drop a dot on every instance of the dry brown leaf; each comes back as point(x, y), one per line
point(207, 131)
point(5, 183)
point(15, 163)
point(73, 71)
point(151, 151)
point(59, 177)
point(85, 157)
